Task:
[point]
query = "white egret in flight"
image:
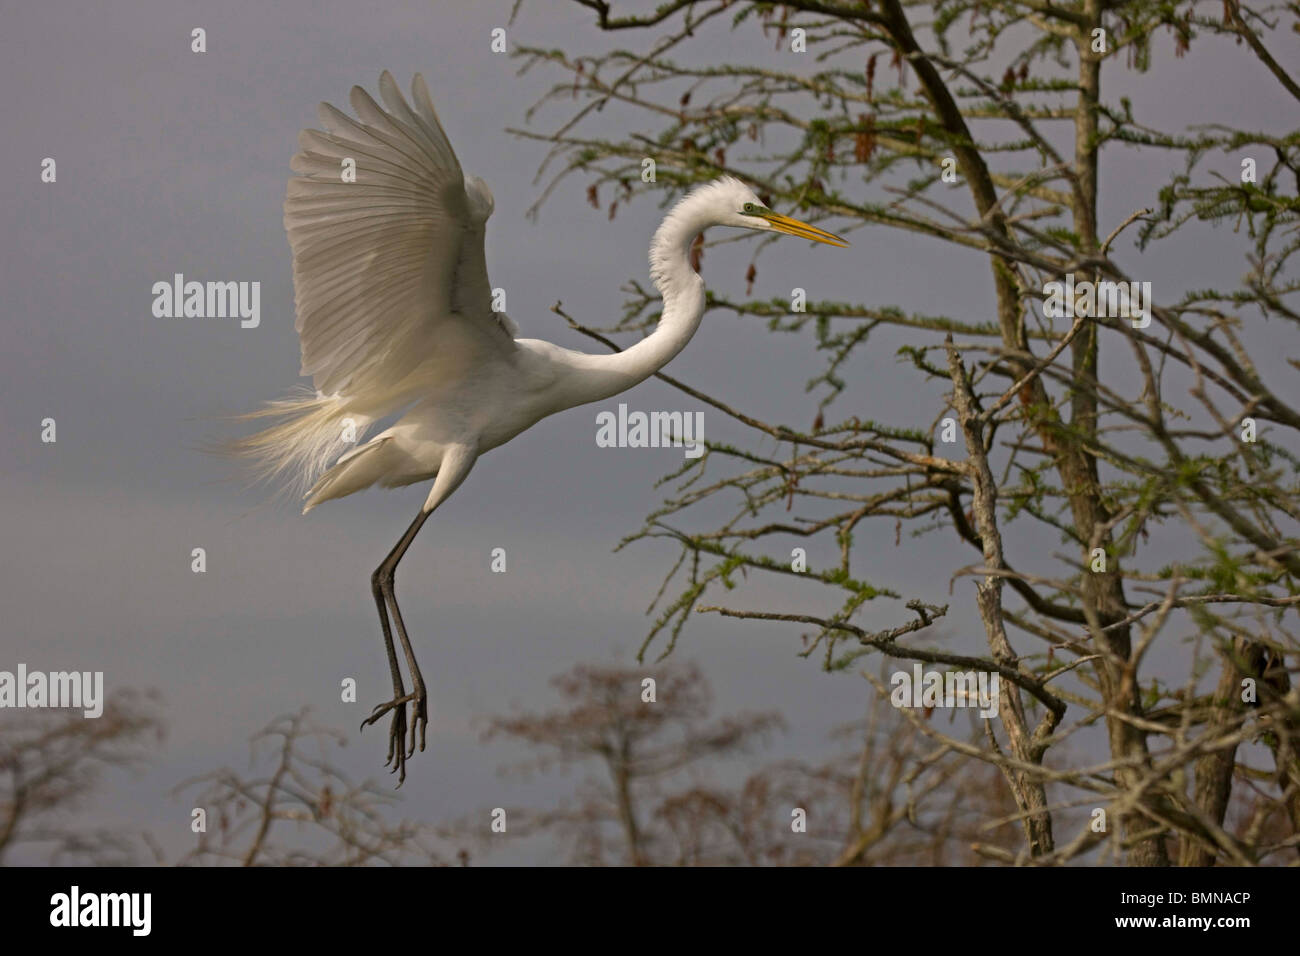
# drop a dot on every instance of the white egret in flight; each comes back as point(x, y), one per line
point(394, 314)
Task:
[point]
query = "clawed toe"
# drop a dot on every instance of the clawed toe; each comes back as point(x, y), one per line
point(381, 709)
point(397, 752)
point(419, 719)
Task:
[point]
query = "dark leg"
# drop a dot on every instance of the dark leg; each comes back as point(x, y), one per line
point(420, 709)
point(456, 462)
point(397, 732)
point(381, 583)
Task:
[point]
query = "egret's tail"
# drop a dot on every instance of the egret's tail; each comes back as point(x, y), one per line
point(311, 431)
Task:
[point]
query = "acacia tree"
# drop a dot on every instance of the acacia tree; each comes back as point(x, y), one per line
point(1126, 486)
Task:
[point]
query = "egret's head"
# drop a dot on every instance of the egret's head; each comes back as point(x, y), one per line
point(738, 206)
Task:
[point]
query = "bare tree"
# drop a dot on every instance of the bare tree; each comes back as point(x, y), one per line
point(890, 797)
point(640, 742)
point(1124, 472)
point(296, 808)
point(52, 763)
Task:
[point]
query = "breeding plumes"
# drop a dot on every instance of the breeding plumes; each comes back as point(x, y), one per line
point(394, 315)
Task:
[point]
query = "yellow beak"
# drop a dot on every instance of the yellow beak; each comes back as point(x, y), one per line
point(793, 227)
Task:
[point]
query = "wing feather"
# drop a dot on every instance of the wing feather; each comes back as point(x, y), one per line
point(388, 270)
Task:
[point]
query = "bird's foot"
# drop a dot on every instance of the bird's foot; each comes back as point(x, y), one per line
point(397, 752)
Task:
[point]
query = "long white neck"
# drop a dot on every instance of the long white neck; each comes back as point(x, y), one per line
point(597, 377)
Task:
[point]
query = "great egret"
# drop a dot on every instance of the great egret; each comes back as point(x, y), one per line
point(394, 315)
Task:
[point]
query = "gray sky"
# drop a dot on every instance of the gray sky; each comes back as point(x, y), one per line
point(170, 161)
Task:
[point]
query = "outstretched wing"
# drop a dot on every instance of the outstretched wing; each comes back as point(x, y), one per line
point(388, 270)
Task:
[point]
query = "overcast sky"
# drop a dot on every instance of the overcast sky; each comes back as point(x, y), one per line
point(171, 161)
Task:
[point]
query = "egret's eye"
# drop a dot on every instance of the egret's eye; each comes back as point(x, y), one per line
point(750, 208)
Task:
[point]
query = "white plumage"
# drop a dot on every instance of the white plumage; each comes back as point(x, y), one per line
point(394, 316)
